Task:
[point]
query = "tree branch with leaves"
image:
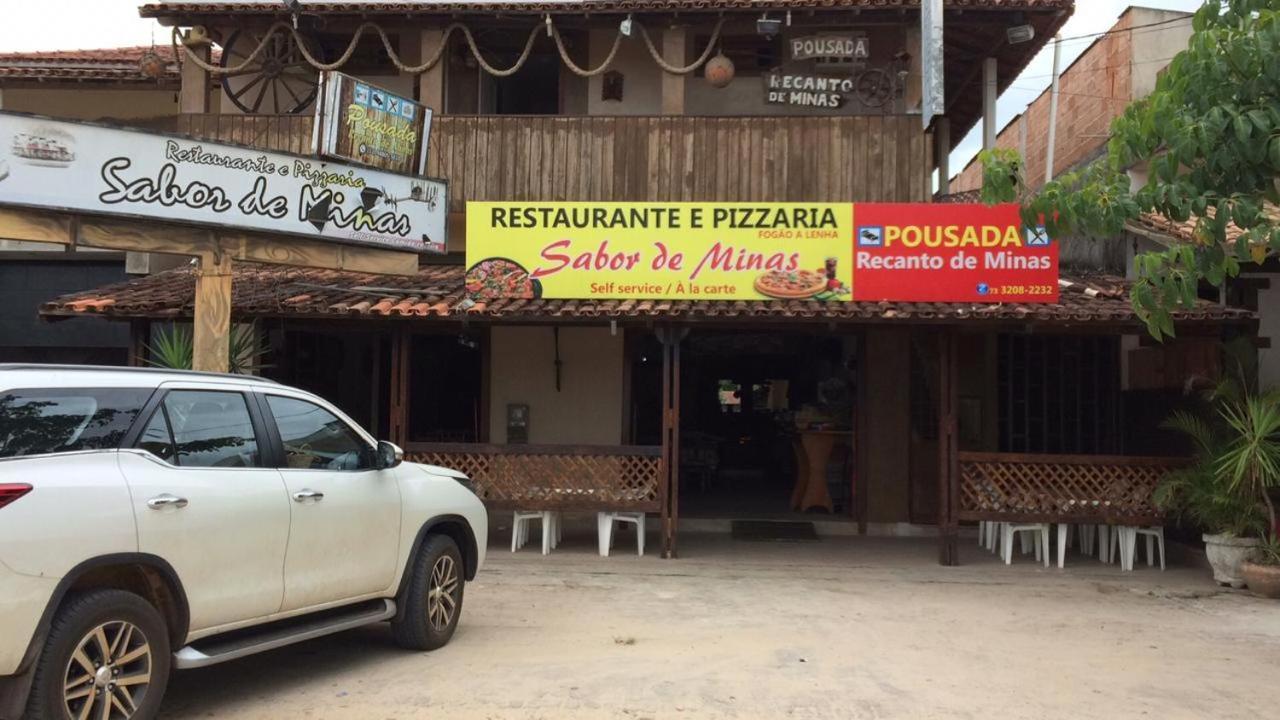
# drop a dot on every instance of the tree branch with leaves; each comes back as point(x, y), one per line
point(1208, 137)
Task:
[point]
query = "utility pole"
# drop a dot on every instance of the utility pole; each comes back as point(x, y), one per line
point(1053, 111)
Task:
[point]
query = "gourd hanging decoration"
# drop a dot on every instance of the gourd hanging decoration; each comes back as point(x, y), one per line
point(151, 65)
point(719, 70)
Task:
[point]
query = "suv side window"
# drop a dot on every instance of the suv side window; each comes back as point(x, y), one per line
point(210, 428)
point(35, 421)
point(157, 437)
point(315, 439)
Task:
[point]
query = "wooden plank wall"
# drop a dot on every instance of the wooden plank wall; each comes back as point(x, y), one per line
point(495, 157)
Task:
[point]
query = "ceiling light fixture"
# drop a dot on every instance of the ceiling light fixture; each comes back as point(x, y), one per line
point(1020, 34)
point(768, 26)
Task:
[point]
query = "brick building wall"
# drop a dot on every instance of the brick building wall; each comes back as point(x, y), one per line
point(1093, 90)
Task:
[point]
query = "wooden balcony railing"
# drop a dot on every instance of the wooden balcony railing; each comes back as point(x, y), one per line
point(671, 158)
point(554, 477)
point(1061, 488)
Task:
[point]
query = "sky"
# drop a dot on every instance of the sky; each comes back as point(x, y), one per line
point(111, 23)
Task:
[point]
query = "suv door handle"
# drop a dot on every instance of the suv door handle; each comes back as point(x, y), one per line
point(306, 494)
point(166, 500)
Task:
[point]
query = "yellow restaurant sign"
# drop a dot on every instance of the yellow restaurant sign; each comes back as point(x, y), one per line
point(691, 251)
point(873, 252)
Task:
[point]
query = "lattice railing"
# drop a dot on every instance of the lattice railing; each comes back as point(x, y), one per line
point(547, 477)
point(1065, 488)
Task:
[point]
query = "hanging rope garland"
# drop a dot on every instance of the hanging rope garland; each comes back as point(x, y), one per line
point(674, 69)
point(301, 43)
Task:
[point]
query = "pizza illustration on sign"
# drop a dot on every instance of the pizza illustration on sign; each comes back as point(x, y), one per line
point(796, 285)
point(498, 277)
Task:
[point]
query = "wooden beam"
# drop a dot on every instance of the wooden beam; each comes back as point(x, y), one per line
point(140, 236)
point(139, 339)
point(398, 405)
point(62, 228)
point(948, 448)
point(212, 322)
point(668, 455)
point(674, 50)
point(36, 226)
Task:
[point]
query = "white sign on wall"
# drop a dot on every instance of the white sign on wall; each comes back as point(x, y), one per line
point(90, 168)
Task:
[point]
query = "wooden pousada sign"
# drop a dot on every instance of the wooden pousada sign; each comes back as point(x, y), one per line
point(363, 123)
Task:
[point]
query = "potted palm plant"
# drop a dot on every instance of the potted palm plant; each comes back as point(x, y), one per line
point(1199, 495)
point(1227, 489)
point(1262, 572)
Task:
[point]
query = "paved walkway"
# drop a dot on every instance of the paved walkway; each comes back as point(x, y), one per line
point(842, 628)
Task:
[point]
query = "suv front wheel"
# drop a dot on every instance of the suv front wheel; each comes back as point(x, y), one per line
point(432, 601)
point(106, 657)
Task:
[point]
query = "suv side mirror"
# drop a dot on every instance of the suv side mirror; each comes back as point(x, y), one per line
point(389, 455)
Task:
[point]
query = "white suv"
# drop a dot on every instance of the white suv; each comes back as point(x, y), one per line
point(155, 519)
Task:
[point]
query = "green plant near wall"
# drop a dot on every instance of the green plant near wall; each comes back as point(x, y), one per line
point(1227, 489)
point(1197, 493)
point(174, 348)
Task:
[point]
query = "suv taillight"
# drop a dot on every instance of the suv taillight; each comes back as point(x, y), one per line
point(12, 491)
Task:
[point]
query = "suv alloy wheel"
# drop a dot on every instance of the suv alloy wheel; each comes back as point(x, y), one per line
point(106, 658)
point(432, 601)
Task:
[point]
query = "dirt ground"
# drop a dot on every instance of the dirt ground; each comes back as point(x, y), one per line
point(842, 628)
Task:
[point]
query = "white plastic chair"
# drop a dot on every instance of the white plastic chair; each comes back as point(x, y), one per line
point(1127, 541)
point(990, 536)
point(1087, 534)
point(1040, 535)
point(605, 522)
point(551, 528)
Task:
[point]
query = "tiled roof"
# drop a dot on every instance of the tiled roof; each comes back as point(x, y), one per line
point(1185, 232)
point(963, 196)
point(161, 9)
point(101, 64)
point(437, 292)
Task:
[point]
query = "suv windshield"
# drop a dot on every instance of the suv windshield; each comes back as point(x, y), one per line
point(35, 421)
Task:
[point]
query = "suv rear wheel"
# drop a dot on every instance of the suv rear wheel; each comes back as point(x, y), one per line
point(432, 601)
point(106, 657)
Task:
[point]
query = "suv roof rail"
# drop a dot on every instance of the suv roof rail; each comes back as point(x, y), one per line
point(129, 368)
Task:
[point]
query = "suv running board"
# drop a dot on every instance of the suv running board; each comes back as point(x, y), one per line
point(294, 630)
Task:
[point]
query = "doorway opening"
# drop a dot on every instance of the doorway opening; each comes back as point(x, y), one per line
point(766, 422)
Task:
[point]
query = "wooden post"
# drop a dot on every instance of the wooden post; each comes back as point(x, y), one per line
point(431, 82)
point(948, 448)
point(212, 322)
point(668, 532)
point(678, 335)
point(398, 405)
point(670, 338)
point(674, 49)
point(139, 338)
point(942, 137)
point(194, 95)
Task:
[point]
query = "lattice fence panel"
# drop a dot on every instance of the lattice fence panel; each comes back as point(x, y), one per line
point(1110, 489)
point(557, 480)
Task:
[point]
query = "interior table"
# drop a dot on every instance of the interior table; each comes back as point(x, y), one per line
point(813, 451)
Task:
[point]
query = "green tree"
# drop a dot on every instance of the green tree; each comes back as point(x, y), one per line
point(1209, 135)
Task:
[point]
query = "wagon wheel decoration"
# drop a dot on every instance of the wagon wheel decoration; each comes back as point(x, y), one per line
point(279, 80)
point(873, 87)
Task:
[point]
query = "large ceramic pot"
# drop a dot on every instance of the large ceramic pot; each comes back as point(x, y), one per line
point(1262, 580)
point(1226, 554)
